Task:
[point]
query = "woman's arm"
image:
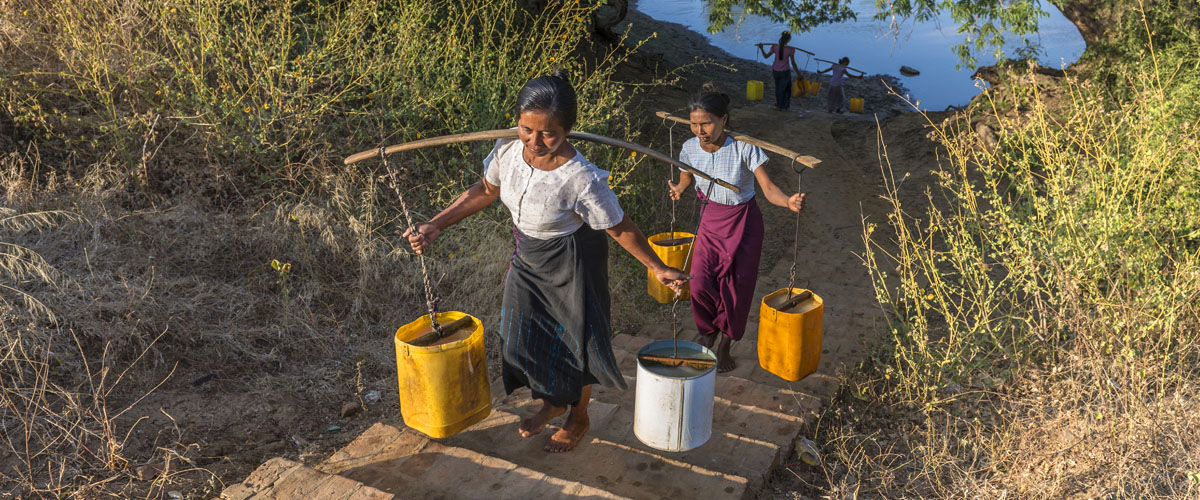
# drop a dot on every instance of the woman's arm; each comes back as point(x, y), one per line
point(775, 195)
point(474, 199)
point(794, 65)
point(764, 52)
point(633, 241)
point(677, 189)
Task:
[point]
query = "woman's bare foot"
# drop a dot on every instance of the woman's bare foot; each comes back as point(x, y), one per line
point(724, 359)
point(577, 425)
point(569, 436)
point(536, 423)
point(707, 340)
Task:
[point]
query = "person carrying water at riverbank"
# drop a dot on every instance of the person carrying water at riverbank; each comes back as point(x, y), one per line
point(555, 317)
point(836, 99)
point(728, 244)
point(780, 70)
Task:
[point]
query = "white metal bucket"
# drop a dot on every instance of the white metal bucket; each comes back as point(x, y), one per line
point(673, 406)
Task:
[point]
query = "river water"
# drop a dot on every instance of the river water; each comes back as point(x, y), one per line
point(874, 48)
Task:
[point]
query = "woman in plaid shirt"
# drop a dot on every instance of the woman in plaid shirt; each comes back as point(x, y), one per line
point(729, 242)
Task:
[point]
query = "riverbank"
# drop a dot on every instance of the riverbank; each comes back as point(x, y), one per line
point(675, 47)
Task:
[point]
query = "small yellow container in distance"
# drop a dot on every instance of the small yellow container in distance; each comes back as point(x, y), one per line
point(789, 343)
point(798, 87)
point(856, 105)
point(754, 90)
point(812, 86)
point(443, 388)
point(673, 256)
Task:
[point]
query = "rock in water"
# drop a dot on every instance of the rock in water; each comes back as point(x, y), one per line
point(909, 71)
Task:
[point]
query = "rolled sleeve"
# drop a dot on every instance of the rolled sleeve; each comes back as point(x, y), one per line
point(755, 157)
point(491, 164)
point(598, 206)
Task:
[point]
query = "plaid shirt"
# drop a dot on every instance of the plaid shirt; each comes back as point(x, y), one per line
point(734, 163)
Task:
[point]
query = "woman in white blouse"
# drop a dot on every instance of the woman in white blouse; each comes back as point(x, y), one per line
point(555, 315)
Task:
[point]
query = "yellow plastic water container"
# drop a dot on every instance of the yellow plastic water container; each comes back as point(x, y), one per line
point(789, 342)
point(798, 87)
point(674, 256)
point(812, 86)
point(443, 387)
point(856, 105)
point(754, 90)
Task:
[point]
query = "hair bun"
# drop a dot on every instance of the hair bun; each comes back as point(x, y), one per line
point(710, 88)
point(561, 75)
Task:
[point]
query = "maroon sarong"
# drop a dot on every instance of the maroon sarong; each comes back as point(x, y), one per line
point(725, 267)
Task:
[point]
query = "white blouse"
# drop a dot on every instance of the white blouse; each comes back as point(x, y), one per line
point(548, 204)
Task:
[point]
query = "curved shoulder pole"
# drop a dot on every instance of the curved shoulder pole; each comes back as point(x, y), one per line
point(508, 133)
point(808, 161)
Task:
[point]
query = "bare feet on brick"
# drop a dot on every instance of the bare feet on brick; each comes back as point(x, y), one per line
point(538, 421)
point(570, 435)
point(725, 360)
point(577, 425)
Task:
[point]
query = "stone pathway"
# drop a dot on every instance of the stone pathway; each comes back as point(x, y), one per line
point(756, 419)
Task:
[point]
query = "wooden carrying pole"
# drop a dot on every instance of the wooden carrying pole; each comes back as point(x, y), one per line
point(511, 133)
point(805, 160)
point(790, 47)
point(847, 67)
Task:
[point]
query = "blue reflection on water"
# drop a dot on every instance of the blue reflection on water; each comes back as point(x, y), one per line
point(872, 47)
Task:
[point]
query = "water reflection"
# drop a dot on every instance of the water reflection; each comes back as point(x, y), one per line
point(872, 47)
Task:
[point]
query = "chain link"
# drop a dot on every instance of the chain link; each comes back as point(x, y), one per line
point(431, 300)
point(796, 239)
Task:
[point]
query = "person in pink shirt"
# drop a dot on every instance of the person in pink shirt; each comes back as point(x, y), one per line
point(779, 69)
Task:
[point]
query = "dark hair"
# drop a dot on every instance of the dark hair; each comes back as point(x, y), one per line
point(783, 40)
point(710, 99)
point(844, 61)
point(551, 94)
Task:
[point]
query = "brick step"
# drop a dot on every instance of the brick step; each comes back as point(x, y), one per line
point(281, 479)
point(409, 465)
point(610, 458)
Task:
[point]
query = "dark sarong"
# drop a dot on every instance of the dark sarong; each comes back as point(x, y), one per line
point(555, 317)
point(836, 99)
point(725, 267)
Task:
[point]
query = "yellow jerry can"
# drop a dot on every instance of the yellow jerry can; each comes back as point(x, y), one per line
point(812, 86)
point(444, 386)
point(789, 338)
point(856, 105)
point(754, 90)
point(798, 87)
point(673, 254)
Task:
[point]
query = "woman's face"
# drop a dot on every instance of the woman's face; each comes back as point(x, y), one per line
point(541, 133)
point(707, 126)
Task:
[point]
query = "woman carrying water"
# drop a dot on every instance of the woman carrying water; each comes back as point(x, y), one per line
point(779, 69)
point(837, 97)
point(554, 321)
point(729, 241)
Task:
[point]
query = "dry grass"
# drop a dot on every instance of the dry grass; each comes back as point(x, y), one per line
point(1044, 327)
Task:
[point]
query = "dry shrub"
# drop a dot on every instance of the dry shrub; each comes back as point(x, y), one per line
point(1043, 308)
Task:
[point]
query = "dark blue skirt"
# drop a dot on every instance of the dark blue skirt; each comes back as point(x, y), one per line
point(554, 321)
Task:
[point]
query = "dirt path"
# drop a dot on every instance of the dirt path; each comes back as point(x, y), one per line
point(843, 191)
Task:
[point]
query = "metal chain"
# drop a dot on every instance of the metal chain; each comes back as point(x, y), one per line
point(796, 239)
point(671, 170)
point(431, 300)
point(686, 261)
